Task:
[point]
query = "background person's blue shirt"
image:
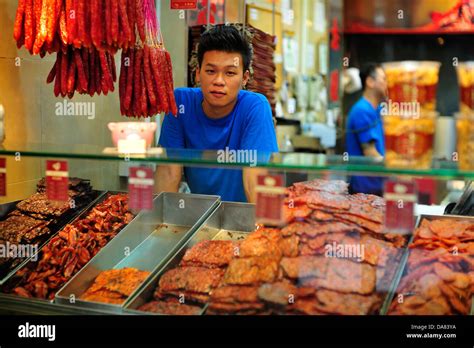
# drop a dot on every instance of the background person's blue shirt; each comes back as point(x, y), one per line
point(364, 125)
point(248, 127)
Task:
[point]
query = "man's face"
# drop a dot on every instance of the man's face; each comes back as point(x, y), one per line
point(379, 83)
point(222, 77)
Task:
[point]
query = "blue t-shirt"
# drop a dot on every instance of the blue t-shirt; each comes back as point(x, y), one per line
point(248, 127)
point(363, 126)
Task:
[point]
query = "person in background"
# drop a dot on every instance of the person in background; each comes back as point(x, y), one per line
point(218, 116)
point(364, 130)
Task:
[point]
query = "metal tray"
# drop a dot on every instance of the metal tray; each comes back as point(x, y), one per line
point(147, 243)
point(102, 196)
point(55, 227)
point(403, 264)
point(230, 221)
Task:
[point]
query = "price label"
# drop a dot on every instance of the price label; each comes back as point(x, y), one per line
point(270, 200)
point(400, 200)
point(57, 180)
point(183, 4)
point(3, 177)
point(140, 187)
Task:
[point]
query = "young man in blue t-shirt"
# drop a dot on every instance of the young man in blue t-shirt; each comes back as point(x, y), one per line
point(364, 131)
point(218, 116)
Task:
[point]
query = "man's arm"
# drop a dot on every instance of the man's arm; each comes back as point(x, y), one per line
point(168, 178)
point(370, 150)
point(249, 177)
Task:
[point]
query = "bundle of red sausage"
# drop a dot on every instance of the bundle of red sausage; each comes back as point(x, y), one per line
point(82, 70)
point(146, 78)
point(146, 82)
point(44, 25)
point(86, 35)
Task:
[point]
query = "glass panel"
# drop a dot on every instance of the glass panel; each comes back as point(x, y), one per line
point(232, 158)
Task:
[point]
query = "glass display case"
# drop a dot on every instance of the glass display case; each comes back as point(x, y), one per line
point(332, 252)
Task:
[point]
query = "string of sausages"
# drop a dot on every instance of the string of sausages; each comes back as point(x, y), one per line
point(83, 70)
point(146, 78)
point(86, 34)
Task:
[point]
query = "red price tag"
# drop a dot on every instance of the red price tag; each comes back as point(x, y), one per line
point(3, 177)
point(183, 4)
point(140, 187)
point(400, 200)
point(270, 200)
point(57, 180)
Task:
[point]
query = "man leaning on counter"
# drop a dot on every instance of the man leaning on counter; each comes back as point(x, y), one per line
point(218, 116)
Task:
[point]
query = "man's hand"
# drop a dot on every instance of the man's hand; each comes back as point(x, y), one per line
point(168, 178)
point(250, 176)
point(370, 150)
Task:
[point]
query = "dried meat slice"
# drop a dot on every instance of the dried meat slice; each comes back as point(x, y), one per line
point(40, 204)
point(123, 281)
point(304, 266)
point(319, 215)
point(235, 293)
point(374, 227)
point(181, 295)
point(251, 270)
point(325, 199)
point(20, 228)
point(232, 308)
point(209, 253)
point(279, 293)
point(314, 230)
point(259, 245)
point(194, 279)
point(297, 212)
point(289, 246)
point(345, 276)
point(331, 186)
point(333, 302)
point(169, 308)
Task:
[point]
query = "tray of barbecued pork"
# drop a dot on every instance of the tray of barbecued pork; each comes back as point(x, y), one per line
point(183, 285)
point(332, 257)
point(117, 273)
point(438, 275)
point(27, 225)
point(69, 250)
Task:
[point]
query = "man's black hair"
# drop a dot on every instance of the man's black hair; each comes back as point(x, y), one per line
point(225, 38)
point(368, 70)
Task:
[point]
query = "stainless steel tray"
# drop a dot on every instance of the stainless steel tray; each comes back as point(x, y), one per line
point(402, 269)
point(7, 208)
point(146, 244)
point(102, 196)
point(230, 221)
